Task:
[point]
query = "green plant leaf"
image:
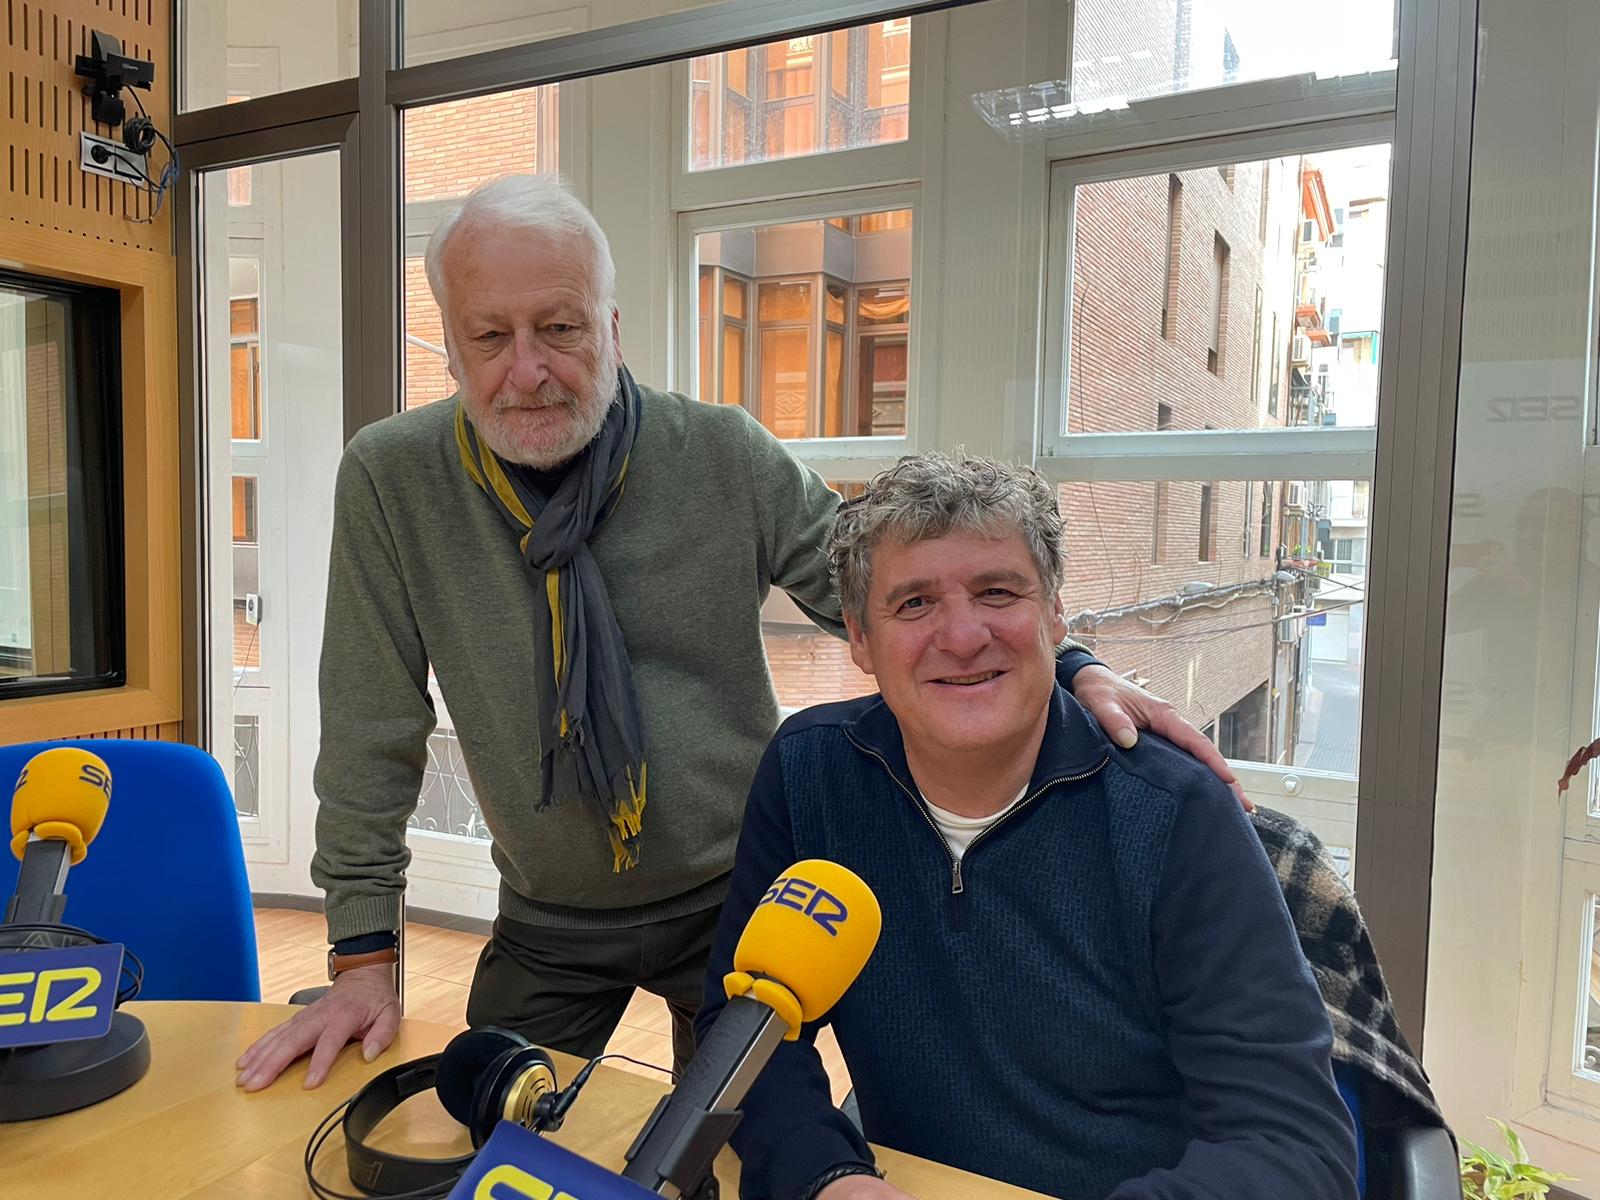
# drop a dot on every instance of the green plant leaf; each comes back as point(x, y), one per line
point(1486, 1175)
point(1518, 1152)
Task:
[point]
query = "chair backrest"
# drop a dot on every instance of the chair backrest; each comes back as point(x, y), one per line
point(1348, 1080)
point(165, 877)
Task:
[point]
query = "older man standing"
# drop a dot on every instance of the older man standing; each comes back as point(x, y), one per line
point(1087, 983)
point(581, 561)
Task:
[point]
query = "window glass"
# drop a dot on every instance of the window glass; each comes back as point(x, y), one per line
point(809, 666)
point(831, 354)
point(247, 765)
point(1123, 53)
point(1183, 296)
point(433, 30)
point(233, 51)
point(1268, 627)
point(838, 91)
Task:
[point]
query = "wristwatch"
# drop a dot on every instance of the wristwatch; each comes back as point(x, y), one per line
point(833, 1174)
point(364, 951)
point(339, 963)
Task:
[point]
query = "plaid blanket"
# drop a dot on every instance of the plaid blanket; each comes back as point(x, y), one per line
point(1334, 938)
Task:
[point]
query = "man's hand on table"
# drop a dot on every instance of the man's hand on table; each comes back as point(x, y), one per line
point(361, 1004)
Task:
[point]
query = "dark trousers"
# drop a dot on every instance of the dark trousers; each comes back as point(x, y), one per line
point(566, 989)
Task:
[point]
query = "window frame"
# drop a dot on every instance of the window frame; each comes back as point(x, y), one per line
point(1337, 453)
point(842, 183)
point(93, 354)
point(1200, 131)
point(1551, 1096)
point(1581, 820)
point(1437, 41)
point(1290, 102)
point(1580, 892)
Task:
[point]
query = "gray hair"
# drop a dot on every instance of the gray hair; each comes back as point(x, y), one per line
point(925, 496)
point(541, 203)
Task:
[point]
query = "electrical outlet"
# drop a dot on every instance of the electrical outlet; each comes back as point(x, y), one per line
point(252, 608)
point(109, 157)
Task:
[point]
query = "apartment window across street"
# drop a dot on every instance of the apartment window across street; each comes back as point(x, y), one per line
point(826, 355)
point(1169, 306)
point(244, 360)
point(1219, 304)
point(244, 510)
point(803, 95)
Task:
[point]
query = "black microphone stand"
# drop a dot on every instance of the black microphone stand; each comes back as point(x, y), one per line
point(674, 1152)
point(58, 1077)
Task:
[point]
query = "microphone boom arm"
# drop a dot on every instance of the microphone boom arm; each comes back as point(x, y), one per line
point(674, 1152)
point(40, 897)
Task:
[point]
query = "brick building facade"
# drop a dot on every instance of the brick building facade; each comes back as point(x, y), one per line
point(1175, 280)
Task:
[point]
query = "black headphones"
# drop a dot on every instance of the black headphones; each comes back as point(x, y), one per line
point(483, 1077)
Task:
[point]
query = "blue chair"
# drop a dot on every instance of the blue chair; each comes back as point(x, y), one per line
point(1397, 1162)
point(165, 877)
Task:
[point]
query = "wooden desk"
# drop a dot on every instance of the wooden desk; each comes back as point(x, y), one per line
point(185, 1132)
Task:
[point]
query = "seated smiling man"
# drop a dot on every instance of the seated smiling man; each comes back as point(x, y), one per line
point(1087, 982)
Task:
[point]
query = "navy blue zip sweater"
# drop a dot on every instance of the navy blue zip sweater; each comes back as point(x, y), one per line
point(1105, 1000)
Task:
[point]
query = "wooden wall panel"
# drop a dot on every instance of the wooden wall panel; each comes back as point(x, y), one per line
point(143, 733)
point(59, 223)
point(170, 732)
point(151, 527)
point(43, 111)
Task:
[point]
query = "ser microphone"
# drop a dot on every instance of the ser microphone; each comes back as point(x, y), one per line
point(807, 940)
point(57, 807)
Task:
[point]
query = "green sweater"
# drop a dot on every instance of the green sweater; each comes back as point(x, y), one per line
point(425, 572)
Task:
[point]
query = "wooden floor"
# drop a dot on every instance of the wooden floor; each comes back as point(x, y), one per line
point(293, 950)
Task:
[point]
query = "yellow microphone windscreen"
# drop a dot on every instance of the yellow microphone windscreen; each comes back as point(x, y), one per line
point(61, 793)
point(812, 931)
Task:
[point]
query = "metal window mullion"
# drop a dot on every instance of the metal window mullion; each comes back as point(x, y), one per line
point(708, 29)
point(1251, 454)
point(1408, 538)
point(854, 401)
point(350, 281)
point(710, 388)
point(267, 146)
point(188, 229)
point(378, 344)
point(262, 113)
point(818, 325)
point(842, 201)
point(1098, 136)
point(1227, 149)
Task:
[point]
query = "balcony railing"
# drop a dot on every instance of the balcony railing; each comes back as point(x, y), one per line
point(1311, 404)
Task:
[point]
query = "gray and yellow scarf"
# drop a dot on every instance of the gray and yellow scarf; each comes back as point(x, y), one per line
point(591, 735)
